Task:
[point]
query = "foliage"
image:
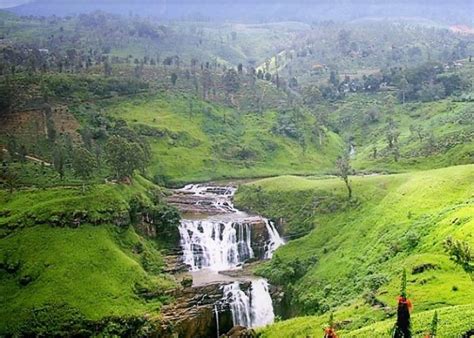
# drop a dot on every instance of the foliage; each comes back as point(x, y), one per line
point(124, 156)
point(83, 163)
point(460, 253)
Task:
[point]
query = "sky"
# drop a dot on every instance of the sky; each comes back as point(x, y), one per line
point(11, 3)
point(449, 11)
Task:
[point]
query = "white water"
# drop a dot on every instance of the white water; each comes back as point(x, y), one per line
point(250, 310)
point(239, 303)
point(216, 314)
point(223, 242)
point(261, 304)
point(216, 245)
point(275, 239)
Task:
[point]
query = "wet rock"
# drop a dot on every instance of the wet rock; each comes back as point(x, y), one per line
point(193, 314)
point(260, 236)
point(174, 264)
point(187, 281)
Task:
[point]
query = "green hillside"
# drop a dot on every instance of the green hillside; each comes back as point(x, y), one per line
point(351, 261)
point(193, 140)
point(429, 134)
point(72, 264)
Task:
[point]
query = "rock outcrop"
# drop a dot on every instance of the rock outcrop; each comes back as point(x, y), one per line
point(193, 314)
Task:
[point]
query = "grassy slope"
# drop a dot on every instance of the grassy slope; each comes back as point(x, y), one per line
point(94, 269)
point(450, 123)
point(371, 237)
point(205, 144)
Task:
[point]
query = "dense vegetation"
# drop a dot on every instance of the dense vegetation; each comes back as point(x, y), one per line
point(99, 112)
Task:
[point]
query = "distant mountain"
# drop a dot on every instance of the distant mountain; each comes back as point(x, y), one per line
point(454, 11)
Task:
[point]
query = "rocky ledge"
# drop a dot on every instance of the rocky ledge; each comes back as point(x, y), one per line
point(193, 314)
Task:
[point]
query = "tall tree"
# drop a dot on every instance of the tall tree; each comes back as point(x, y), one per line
point(343, 171)
point(83, 163)
point(59, 160)
point(125, 156)
point(8, 177)
point(460, 253)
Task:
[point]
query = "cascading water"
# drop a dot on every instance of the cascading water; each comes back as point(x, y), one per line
point(223, 241)
point(251, 309)
point(275, 239)
point(239, 303)
point(262, 307)
point(216, 245)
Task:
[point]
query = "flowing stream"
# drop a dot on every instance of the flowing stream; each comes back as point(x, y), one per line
point(217, 237)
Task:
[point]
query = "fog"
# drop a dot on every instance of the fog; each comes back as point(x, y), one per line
point(458, 11)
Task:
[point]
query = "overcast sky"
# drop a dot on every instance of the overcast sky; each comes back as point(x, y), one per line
point(11, 3)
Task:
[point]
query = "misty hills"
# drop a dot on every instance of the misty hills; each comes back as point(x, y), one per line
point(457, 11)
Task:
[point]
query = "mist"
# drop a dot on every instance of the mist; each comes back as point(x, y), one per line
point(458, 11)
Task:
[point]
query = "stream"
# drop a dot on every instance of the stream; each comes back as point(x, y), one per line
point(216, 241)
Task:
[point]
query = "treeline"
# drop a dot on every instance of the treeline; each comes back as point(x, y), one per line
point(429, 81)
point(111, 150)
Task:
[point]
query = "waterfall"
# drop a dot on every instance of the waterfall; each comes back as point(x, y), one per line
point(262, 307)
point(216, 313)
point(275, 239)
point(217, 245)
point(239, 303)
point(252, 309)
point(223, 241)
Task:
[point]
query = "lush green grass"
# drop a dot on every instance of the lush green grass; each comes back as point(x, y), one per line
point(394, 222)
point(453, 321)
point(100, 268)
point(446, 128)
point(194, 141)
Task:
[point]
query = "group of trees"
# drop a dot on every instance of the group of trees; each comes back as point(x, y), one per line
point(426, 82)
point(117, 153)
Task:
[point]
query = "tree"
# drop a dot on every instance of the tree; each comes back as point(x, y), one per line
point(434, 326)
point(174, 78)
point(107, 68)
point(311, 95)
point(8, 177)
point(59, 160)
point(402, 326)
point(22, 153)
point(334, 78)
point(231, 81)
point(125, 156)
point(83, 163)
point(460, 253)
point(343, 171)
point(392, 139)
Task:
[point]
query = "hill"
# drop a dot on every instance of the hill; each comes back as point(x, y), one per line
point(350, 254)
point(81, 262)
point(192, 140)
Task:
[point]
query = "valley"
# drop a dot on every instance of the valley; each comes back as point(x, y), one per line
point(275, 170)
